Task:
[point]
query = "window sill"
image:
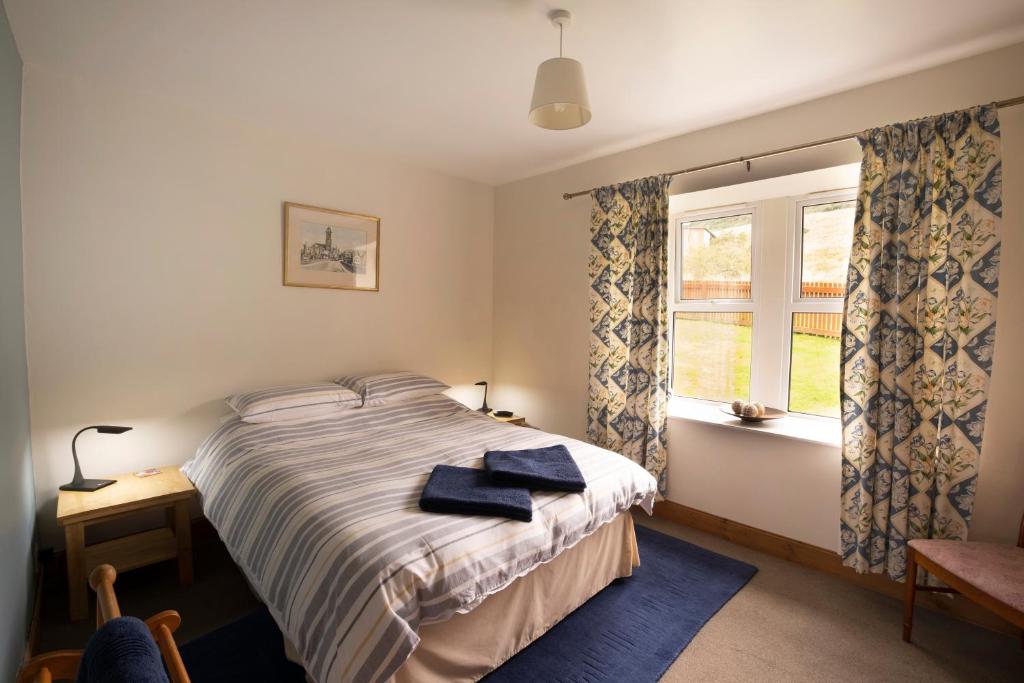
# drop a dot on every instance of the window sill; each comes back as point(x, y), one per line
point(821, 431)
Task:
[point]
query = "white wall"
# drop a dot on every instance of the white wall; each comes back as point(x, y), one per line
point(17, 513)
point(153, 273)
point(540, 310)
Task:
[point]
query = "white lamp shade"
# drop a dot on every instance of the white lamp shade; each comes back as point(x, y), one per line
point(560, 95)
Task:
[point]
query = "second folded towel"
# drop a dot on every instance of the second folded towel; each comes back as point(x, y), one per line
point(551, 468)
point(469, 491)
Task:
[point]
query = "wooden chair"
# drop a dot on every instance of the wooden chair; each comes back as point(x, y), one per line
point(63, 664)
point(989, 574)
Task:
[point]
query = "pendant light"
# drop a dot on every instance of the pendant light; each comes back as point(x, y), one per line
point(560, 94)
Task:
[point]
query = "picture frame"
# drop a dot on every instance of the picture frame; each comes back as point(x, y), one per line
point(330, 249)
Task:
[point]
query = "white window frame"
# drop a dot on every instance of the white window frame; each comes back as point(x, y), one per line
point(775, 278)
point(795, 303)
point(681, 305)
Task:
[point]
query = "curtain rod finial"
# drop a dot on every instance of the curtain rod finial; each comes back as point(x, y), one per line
point(566, 195)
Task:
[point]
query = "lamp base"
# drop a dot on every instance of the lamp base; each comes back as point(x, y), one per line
point(88, 485)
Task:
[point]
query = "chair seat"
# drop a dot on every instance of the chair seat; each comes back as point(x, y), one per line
point(995, 569)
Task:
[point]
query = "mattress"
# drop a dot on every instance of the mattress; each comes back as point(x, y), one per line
point(322, 516)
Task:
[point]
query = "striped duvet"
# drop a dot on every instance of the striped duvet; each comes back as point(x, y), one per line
point(323, 518)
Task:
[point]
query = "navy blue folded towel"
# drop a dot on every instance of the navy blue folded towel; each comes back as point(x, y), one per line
point(550, 468)
point(469, 491)
point(122, 650)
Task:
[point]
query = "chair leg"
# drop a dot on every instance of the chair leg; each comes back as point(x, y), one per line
point(909, 593)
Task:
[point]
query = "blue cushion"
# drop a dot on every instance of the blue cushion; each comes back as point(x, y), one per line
point(122, 650)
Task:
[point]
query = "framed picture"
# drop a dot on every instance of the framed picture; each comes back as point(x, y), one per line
point(332, 249)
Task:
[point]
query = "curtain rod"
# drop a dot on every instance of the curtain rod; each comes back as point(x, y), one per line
point(775, 152)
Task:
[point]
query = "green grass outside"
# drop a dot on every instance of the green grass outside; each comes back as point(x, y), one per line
point(814, 378)
point(712, 361)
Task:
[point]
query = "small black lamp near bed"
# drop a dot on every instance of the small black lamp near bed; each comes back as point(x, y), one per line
point(483, 408)
point(79, 483)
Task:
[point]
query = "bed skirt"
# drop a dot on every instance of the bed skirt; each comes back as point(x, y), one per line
point(468, 646)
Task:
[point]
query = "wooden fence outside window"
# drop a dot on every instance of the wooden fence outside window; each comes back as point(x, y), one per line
point(819, 324)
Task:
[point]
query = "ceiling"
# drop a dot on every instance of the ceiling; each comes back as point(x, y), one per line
point(446, 83)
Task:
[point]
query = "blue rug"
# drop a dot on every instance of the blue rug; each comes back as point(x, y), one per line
point(631, 631)
point(249, 649)
point(635, 628)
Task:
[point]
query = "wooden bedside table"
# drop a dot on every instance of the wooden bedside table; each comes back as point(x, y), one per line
point(514, 420)
point(76, 510)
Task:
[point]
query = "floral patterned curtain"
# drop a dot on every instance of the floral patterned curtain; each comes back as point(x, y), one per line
point(629, 354)
point(918, 333)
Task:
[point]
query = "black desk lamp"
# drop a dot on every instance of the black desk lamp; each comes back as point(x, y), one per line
point(78, 483)
point(483, 408)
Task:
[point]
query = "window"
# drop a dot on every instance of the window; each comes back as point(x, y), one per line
point(824, 235)
point(716, 257)
point(713, 324)
point(758, 300)
point(712, 353)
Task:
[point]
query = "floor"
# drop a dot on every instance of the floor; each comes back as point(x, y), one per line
point(788, 624)
point(796, 624)
point(218, 596)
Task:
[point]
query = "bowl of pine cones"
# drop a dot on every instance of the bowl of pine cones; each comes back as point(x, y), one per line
point(752, 412)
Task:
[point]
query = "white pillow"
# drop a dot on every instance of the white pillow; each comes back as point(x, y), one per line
point(293, 402)
point(381, 388)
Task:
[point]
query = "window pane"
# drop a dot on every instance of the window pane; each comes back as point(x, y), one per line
point(827, 235)
point(711, 355)
point(716, 257)
point(814, 364)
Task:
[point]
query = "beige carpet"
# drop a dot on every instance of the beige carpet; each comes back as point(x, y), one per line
point(795, 624)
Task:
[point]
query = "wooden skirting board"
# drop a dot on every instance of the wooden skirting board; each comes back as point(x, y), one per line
point(826, 561)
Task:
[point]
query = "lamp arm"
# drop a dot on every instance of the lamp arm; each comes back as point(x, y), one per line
point(78, 478)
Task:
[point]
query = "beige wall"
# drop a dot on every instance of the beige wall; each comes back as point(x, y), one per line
point(541, 291)
point(153, 273)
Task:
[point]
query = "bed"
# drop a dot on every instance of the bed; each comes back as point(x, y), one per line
point(322, 516)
